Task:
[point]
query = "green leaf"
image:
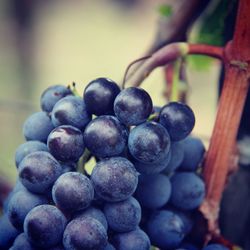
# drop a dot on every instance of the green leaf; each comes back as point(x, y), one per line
point(165, 10)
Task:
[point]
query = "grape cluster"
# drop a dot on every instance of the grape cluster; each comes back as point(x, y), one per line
point(143, 190)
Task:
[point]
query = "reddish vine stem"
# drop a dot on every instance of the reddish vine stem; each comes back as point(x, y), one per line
point(170, 53)
point(236, 84)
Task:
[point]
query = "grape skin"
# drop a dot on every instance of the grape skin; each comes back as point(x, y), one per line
point(99, 96)
point(44, 226)
point(114, 179)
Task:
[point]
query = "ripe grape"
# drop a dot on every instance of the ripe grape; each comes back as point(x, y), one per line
point(153, 191)
point(114, 179)
point(133, 106)
point(99, 96)
point(165, 229)
point(133, 240)
point(149, 142)
point(188, 190)
point(105, 136)
point(72, 191)
point(194, 150)
point(70, 110)
point(38, 171)
point(52, 95)
point(87, 234)
point(44, 226)
point(20, 204)
point(37, 127)
point(123, 216)
point(65, 143)
point(178, 119)
point(27, 148)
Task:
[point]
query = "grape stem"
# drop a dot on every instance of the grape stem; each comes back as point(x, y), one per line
point(171, 53)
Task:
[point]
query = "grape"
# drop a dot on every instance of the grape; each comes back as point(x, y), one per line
point(38, 171)
point(176, 158)
point(215, 247)
point(188, 190)
point(87, 234)
point(21, 243)
point(7, 232)
point(149, 142)
point(133, 106)
point(20, 204)
point(165, 229)
point(65, 143)
point(123, 216)
point(153, 191)
point(44, 226)
point(70, 110)
point(105, 136)
point(27, 148)
point(93, 213)
point(99, 96)
point(178, 119)
point(72, 191)
point(193, 153)
point(58, 247)
point(52, 95)
point(37, 127)
point(133, 240)
point(114, 179)
point(151, 168)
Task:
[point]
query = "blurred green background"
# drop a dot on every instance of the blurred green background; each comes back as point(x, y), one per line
point(79, 40)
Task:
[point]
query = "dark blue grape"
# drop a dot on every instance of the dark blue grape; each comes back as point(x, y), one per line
point(178, 119)
point(151, 168)
point(105, 136)
point(123, 216)
point(99, 96)
point(165, 229)
point(133, 240)
point(194, 151)
point(149, 142)
point(87, 234)
point(215, 247)
point(176, 158)
point(37, 127)
point(93, 213)
point(58, 247)
point(21, 243)
point(52, 95)
point(72, 191)
point(133, 106)
point(70, 110)
point(38, 171)
point(20, 204)
point(8, 232)
point(44, 226)
point(65, 143)
point(27, 148)
point(188, 190)
point(153, 191)
point(114, 179)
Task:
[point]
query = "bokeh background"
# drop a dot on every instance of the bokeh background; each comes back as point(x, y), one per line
point(46, 42)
